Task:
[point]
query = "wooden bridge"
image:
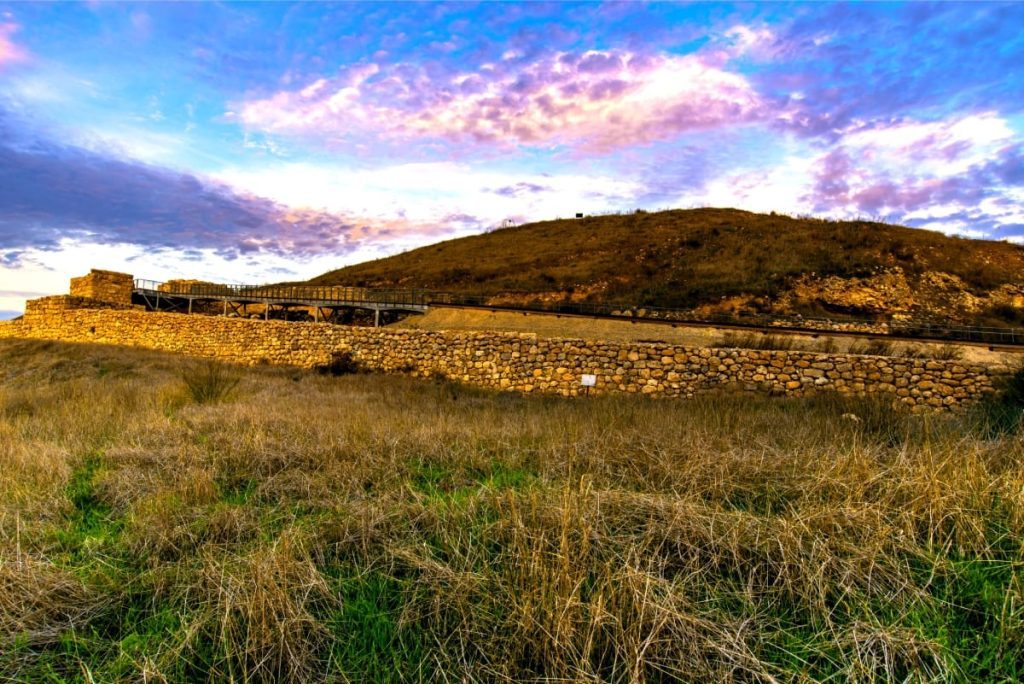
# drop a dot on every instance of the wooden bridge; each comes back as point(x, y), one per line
point(324, 301)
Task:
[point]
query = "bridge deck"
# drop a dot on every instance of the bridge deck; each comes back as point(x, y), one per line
point(286, 296)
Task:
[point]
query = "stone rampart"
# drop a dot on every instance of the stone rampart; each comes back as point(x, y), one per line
point(11, 329)
point(509, 361)
point(50, 305)
point(106, 286)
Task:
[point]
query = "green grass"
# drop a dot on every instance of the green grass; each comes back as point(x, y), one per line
point(383, 529)
point(370, 642)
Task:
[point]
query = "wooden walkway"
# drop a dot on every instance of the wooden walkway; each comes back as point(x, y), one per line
point(182, 297)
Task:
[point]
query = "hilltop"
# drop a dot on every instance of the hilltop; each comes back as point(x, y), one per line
point(720, 260)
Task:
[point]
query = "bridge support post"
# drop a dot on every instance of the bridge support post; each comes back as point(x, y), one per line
point(225, 308)
point(266, 312)
point(190, 305)
point(376, 318)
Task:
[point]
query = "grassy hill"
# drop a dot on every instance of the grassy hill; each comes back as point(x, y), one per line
point(168, 521)
point(689, 258)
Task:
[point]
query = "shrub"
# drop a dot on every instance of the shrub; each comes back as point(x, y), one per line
point(1002, 412)
point(947, 352)
point(828, 346)
point(876, 347)
point(879, 417)
point(341, 363)
point(755, 341)
point(209, 382)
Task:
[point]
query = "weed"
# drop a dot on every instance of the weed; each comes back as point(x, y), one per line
point(341, 363)
point(873, 347)
point(209, 382)
point(1001, 413)
point(828, 346)
point(754, 340)
point(947, 352)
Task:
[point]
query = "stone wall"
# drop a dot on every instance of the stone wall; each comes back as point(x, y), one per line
point(106, 286)
point(11, 329)
point(513, 362)
point(50, 305)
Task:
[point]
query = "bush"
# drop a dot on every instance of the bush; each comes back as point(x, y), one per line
point(209, 382)
point(948, 352)
point(879, 417)
point(1007, 313)
point(755, 341)
point(1002, 413)
point(828, 346)
point(341, 363)
point(875, 347)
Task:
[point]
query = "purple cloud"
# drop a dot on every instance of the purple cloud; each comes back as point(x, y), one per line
point(839, 65)
point(599, 101)
point(521, 189)
point(961, 163)
point(9, 51)
point(50, 192)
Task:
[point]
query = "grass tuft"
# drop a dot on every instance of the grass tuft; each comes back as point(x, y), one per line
point(209, 382)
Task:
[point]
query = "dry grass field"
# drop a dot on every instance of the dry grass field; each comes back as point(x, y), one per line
point(162, 519)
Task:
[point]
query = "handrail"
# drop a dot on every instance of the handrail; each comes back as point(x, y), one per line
point(420, 299)
point(287, 293)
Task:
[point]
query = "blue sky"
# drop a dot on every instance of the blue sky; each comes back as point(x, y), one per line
point(272, 141)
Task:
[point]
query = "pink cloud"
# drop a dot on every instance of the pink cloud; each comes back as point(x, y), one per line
point(9, 52)
point(911, 166)
point(597, 101)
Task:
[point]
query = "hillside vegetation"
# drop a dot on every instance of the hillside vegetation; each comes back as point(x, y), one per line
point(166, 520)
point(700, 257)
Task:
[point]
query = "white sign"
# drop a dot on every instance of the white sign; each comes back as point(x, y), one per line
point(588, 380)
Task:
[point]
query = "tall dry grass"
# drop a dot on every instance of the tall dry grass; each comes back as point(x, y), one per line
point(371, 528)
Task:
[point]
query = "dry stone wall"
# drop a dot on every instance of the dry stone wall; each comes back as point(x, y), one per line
point(509, 361)
point(45, 306)
point(107, 286)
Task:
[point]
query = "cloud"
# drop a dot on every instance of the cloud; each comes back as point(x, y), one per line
point(9, 52)
point(51, 192)
point(834, 65)
point(521, 189)
point(596, 101)
point(960, 174)
point(916, 168)
point(428, 194)
point(742, 40)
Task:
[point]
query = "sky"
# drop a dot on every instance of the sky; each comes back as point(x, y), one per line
point(269, 142)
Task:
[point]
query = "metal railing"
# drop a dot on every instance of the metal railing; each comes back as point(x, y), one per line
point(418, 299)
point(864, 326)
